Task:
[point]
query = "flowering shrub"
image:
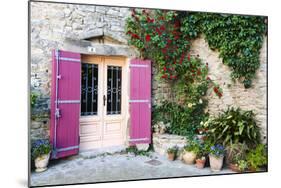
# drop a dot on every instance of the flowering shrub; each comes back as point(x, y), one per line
point(217, 150)
point(40, 147)
point(164, 37)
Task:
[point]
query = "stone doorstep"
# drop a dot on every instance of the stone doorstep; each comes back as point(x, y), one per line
point(102, 151)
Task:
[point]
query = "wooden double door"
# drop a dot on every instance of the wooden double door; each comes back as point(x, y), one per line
point(103, 102)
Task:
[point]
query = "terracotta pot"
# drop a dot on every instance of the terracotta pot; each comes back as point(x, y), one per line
point(252, 169)
point(189, 157)
point(171, 156)
point(234, 167)
point(200, 163)
point(216, 163)
point(41, 162)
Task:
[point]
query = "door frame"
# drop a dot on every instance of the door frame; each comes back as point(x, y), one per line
point(102, 83)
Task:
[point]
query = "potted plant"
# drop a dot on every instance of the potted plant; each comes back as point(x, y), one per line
point(256, 157)
point(216, 155)
point(242, 165)
point(235, 153)
point(172, 152)
point(233, 126)
point(190, 151)
point(201, 156)
point(40, 152)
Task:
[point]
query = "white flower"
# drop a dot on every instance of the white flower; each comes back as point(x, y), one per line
point(201, 123)
point(189, 105)
point(200, 101)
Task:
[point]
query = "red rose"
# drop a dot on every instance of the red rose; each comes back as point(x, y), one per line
point(198, 72)
point(147, 38)
point(158, 31)
point(177, 24)
point(208, 78)
point(149, 20)
point(135, 36)
point(164, 76)
point(216, 90)
point(162, 28)
point(164, 68)
point(188, 57)
point(220, 94)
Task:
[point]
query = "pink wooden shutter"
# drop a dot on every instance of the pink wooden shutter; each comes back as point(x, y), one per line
point(140, 101)
point(65, 103)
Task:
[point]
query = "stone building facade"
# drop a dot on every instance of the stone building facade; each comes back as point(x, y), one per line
point(51, 24)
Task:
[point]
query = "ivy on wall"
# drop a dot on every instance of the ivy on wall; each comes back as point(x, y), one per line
point(238, 40)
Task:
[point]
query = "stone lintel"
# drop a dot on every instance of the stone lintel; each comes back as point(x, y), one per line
point(84, 46)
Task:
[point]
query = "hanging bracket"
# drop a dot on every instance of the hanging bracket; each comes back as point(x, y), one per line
point(57, 113)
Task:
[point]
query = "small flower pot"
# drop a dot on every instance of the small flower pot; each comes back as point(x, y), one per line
point(200, 163)
point(252, 169)
point(189, 157)
point(234, 167)
point(41, 162)
point(216, 163)
point(171, 156)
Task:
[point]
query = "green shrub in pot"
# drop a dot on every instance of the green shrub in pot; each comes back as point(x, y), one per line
point(233, 126)
point(257, 157)
point(190, 151)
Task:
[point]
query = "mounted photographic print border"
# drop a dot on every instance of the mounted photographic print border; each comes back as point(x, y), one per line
point(129, 93)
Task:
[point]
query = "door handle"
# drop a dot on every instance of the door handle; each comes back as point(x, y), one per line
point(104, 99)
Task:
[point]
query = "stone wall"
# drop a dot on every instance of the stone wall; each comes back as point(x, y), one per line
point(51, 23)
point(161, 142)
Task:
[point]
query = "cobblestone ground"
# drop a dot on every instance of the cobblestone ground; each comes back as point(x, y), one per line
point(114, 168)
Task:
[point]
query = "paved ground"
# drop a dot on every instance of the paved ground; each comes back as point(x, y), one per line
point(81, 169)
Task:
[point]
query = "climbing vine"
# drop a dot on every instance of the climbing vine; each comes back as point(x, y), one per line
point(165, 37)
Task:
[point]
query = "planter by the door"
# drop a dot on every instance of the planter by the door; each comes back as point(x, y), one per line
point(41, 162)
point(189, 157)
point(171, 156)
point(216, 162)
point(200, 163)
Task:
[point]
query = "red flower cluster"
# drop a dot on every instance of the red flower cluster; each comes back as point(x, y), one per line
point(177, 24)
point(133, 35)
point(173, 77)
point(164, 76)
point(149, 20)
point(147, 38)
point(162, 28)
point(216, 90)
point(188, 57)
point(158, 31)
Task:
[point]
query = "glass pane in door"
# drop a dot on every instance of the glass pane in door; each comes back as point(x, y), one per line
point(114, 85)
point(89, 87)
